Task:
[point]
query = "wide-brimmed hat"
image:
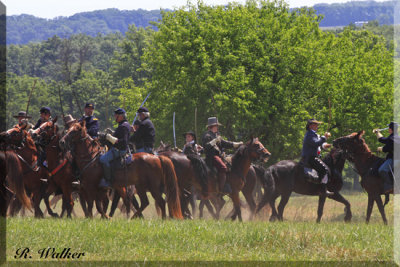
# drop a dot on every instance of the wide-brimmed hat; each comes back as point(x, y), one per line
point(213, 121)
point(190, 133)
point(69, 119)
point(22, 114)
point(313, 121)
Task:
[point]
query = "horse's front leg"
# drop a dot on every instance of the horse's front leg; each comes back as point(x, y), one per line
point(236, 205)
point(339, 198)
point(381, 208)
point(370, 206)
point(321, 203)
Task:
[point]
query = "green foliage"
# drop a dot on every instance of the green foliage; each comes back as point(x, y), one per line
point(262, 69)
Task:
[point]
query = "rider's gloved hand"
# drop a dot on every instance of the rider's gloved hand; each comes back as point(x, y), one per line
point(111, 139)
point(327, 135)
point(379, 149)
point(326, 146)
point(237, 144)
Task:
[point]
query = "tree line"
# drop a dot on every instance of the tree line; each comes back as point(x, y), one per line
point(23, 29)
point(262, 69)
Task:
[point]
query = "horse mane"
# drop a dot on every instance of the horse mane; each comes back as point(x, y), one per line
point(238, 156)
point(29, 142)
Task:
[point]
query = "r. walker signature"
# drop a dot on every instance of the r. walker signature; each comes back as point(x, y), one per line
point(48, 253)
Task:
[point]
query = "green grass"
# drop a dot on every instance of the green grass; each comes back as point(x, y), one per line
point(298, 238)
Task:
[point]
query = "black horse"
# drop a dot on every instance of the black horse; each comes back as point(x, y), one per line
point(287, 176)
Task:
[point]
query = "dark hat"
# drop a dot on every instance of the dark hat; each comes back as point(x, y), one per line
point(45, 110)
point(119, 111)
point(142, 109)
point(89, 105)
point(213, 121)
point(393, 125)
point(191, 133)
point(69, 119)
point(22, 114)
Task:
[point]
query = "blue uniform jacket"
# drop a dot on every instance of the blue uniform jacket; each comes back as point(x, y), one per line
point(388, 147)
point(122, 133)
point(311, 142)
point(145, 134)
point(92, 125)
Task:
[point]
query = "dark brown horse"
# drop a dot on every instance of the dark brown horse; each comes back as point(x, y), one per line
point(28, 160)
point(359, 153)
point(59, 167)
point(287, 176)
point(12, 171)
point(147, 172)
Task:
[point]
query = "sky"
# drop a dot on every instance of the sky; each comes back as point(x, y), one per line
point(54, 8)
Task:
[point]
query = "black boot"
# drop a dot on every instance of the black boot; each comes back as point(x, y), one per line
point(106, 180)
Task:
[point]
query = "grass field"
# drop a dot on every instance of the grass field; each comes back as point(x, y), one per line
point(298, 238)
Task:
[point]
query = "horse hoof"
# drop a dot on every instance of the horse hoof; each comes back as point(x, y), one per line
point(55, 215)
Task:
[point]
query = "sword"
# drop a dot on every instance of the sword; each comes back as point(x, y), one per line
point(59, 96)
point(173, 128)
point(29, 99)
point(144, 101)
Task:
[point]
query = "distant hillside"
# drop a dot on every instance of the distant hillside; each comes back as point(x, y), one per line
point(23, 29)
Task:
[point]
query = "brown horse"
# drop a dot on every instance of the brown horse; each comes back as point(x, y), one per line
point(147, 172)
point(241, 161)
point(12, 171)
point(192, 174)
point(59, 167)
point(28, 159)
point(359, 153)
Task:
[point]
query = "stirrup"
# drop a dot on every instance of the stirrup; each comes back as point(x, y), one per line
point(44, 180)
point(76, 182)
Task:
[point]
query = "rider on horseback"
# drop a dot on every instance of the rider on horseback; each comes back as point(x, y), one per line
point(311, 152)
point(45, 116)
point(387, 167)
point(144, 132)
point(119, 140)
point(191, 147)
point(92, 123)
point(213, 147)
point(23, 119)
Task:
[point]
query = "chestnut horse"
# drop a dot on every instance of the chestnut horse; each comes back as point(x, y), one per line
point(287, 176)
point(147, 172)
point(359, 153)
point(28, 159)
point(59, 167)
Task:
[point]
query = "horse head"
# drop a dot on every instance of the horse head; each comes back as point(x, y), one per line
point(76, 132)
point(163, 147)
point(16, 136)
point(352, 144)
point(257, 150)
point(46, 132)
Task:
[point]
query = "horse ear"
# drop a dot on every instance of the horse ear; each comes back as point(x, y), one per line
point(83, 123)
point(55, 119)
point(360, 134)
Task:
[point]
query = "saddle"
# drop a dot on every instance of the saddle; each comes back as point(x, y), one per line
point(374, 170)
point(121, 162)
point(310, 174)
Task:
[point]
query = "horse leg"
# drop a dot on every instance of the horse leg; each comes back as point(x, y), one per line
point(160, 202)
point(274, 213)
point(370, 206)
point(68, 202)
point(36, 203)
point(321, 204)
point(250, 201)
point(201, 207)
point(339, 198)
point(46, 202)
point(82, 199)
point(282, 204)
point(144, 202)
point(236, 204)
point(125, 199)
point(381, 208)
point(218, 203)
point(114, 203)
point(193, 199)
point(210, 209)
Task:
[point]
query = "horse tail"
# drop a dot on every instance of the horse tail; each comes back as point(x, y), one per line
point(267, 180)
point(171, 187)
point(14, 172)
point(201, 171)
point(387, 198)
